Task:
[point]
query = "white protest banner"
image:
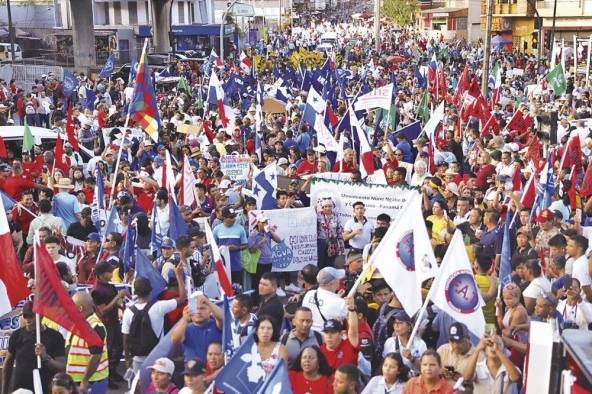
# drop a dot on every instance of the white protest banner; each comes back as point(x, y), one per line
point(235, 166)
point(9, 323)
point(297, 229)
point(378, 98)
point(377, 198)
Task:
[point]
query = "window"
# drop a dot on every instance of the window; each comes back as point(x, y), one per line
point(181, 9)
point(461, 23)
point(117, 13)
point(132, 11)
point(107, 19)
point(191, 12)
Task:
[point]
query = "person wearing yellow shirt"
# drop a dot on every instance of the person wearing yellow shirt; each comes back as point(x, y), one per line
point(487, 283)
point(442, 226)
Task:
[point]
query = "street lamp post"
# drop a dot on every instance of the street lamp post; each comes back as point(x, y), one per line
point(222, 29)
point(10, 30)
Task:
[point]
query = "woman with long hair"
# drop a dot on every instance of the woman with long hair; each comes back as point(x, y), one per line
point(310, 372)
point(394, 375)
point(268, 345)
point(330, 243)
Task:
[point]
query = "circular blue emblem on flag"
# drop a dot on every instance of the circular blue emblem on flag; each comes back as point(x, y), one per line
point(405, 252)
point(281, 255)
point(462, 294)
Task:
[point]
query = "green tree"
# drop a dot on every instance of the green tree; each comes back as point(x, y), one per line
point(402, 12)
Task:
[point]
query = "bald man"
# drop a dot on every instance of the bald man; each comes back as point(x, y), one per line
point(88, 365)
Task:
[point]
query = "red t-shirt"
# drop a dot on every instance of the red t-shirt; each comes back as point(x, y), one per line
point(347, 167)
point(344, 354)
point(306, 167)
point(300, 385)
point(482, 174)
point(14, 186)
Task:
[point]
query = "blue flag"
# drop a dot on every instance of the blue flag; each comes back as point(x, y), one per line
point(111, 227)
point(178, 226)
point(91, 97)
point(70, 83)
point(108, 67)
point(411, 131)
point(145, 269)
point(505, 271)
point(243, 373)
point(129, 248)
point(7, 201)
point(133, 70)
point(264, 187)
point(422, 81)
point(277, 381)
point(227, 340)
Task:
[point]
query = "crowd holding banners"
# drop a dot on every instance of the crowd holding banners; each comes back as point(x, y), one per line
point(502, 192)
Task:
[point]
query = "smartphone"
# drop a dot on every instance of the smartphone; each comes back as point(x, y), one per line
point(489, 330)
point(567, 282)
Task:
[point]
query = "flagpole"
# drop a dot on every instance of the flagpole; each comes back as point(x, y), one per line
point(37, 317)
point(420, 314)
point(127, 118)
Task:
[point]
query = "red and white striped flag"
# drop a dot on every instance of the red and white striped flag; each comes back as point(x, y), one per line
point(222, 267)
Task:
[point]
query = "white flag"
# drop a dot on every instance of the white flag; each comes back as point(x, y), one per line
point(434, 121)
point(378, 98)
point(455, 291)
point(315, 100)
point(405, 243)
point(324, 136)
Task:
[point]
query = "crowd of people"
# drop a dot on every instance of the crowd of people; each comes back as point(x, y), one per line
point(472, 177)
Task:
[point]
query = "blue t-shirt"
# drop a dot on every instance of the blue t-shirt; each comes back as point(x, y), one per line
point(198, 338)
point(234, 235)
point(66, 206)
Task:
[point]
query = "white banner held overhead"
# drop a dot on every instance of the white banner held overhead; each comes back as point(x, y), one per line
point(235, 166)
point(377, 198)
point(378, 98)
point(297, 229)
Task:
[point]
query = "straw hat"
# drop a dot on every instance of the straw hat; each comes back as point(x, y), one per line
point(64, 183)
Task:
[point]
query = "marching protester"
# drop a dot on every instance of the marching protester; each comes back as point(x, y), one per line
point(403, 229)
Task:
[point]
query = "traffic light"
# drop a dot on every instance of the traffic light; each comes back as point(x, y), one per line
point(535, 40)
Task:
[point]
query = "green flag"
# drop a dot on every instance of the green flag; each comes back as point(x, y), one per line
point(423, 110)
point(556, 79)
point(28, 141)
point(182, 85)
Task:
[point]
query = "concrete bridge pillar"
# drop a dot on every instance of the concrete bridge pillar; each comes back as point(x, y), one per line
point(83, 35)
point(161, 14)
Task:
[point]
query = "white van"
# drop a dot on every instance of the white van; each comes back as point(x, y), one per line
point(6, 54)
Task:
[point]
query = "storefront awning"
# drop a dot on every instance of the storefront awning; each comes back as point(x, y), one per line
point(443, 10)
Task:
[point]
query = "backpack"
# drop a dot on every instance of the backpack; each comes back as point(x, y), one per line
point(380, 329)
point(141, 338)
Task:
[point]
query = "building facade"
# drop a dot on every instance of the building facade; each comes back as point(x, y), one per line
point(451, 19)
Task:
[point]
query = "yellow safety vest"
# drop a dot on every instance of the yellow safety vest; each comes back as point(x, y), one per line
point(79, 356)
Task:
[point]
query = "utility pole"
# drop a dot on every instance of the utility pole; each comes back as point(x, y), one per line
point(487, 51)
point(10, 30)
point(552, 35)
point(377, 25)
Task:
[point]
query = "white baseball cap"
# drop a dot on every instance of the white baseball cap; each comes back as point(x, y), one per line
point(164, 365)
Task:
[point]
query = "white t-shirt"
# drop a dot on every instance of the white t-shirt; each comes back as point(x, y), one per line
point(418, 346)
point(70, 263)
point(331, 305)
point(485, 383)
point(156, 313)
point(580, 272)
point(538, 287)
point(360, 240)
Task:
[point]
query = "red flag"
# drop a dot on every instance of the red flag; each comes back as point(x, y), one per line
point(474, 88)
point(572, 192)
point(462, 86)
point(70, 129)
point(13, 287)
point(491, 125)
point(529, 193)
point(520, 122)
point(542, 261)
point(53, 301)
point(61, 160)
point(333, 119)
point(572, 154)
point(517, 179)
point(222, 268)
point(3, 148)
point(586, 188)
point(534, 151)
